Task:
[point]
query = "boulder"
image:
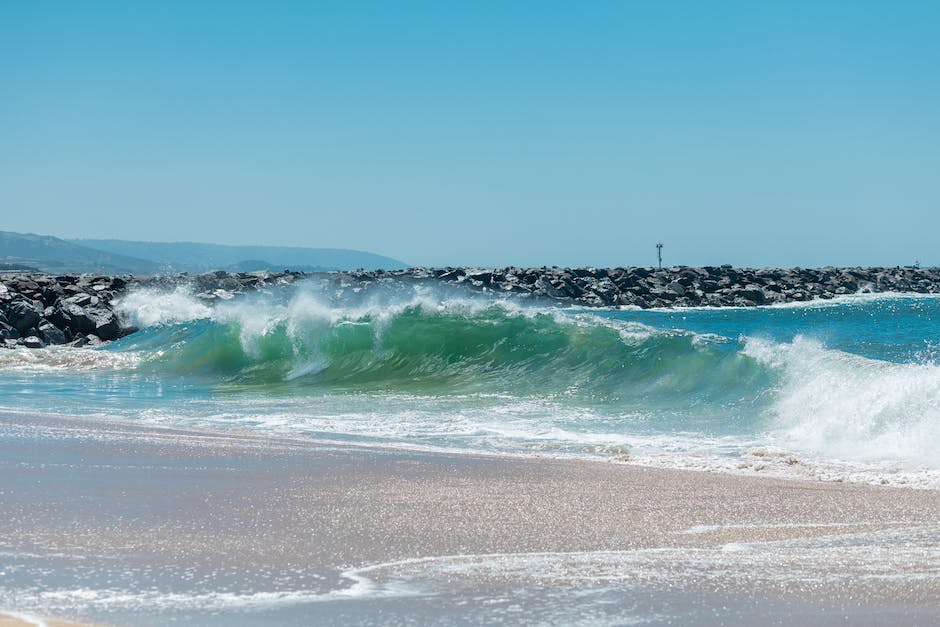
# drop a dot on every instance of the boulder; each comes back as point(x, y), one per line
point(752, 293)
point(23, 315)
point(484, 277)
point(81, 299)
point(51, 334)
point(666, 296)
point(94, 319)
point(32, 342)
point(677, 288)
point(107, 326)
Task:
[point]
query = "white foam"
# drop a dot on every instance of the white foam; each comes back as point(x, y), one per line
point(814, 303)
point(846, 407)
point(757, 463)
point(703, 529)
point(147, 307)
point(64, 359)
point(26, 618)
point(259, 313)
point(908, 554)
point(112, 599)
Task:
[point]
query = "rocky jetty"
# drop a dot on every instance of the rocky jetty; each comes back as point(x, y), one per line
point(38, 310)
point(683, 286)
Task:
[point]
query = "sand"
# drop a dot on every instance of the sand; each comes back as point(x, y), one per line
point(241, 513)
point(14, 619)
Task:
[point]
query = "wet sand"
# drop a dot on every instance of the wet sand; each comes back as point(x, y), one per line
point(118, 506)
point(13, 619)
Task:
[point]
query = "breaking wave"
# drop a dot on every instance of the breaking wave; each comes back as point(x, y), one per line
point(444, 370)
point(445, 348)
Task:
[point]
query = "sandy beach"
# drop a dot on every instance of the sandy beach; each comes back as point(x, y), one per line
point(15, 619)
point(213, 519)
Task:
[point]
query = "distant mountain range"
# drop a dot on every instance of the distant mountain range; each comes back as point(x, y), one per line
point(51, 254)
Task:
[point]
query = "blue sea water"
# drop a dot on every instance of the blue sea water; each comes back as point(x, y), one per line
point(847, 389)
point(843, 390)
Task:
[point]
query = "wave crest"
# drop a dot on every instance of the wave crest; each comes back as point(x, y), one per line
point(851, 407)
point(443, 346)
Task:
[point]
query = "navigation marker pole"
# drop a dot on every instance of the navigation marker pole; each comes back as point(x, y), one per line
point(659, 254)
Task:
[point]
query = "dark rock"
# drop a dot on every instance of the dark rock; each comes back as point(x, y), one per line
point(632, 300)
point(23, 315)
point(81, 299)
point(50, 334)
point(667, 296)
point(751, 293)
point(677, 288)
point(60, 317)
point(24, 286)
point(107, 326)
point(33, 342)
point(94, 319)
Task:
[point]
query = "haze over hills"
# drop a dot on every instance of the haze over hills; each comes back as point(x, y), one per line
point(52, 254)
point(200, 257)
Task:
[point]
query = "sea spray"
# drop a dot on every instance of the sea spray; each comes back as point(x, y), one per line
point(836, 390)
point(448, 347)
point(852, 407)
point(147, 307)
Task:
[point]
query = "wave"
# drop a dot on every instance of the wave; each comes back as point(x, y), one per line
point(850, 406)
point(469, 373)
point(430, 346)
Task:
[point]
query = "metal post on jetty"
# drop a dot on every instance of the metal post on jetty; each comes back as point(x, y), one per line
point(659, 254)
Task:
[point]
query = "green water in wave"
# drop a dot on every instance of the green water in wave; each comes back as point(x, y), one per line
point(855, 380)
point(427, 350)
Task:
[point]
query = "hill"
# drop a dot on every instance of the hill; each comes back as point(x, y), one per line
point(20, 251)
point(200, 257)
point(51, 254)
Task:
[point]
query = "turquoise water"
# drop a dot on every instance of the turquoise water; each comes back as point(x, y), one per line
point(846, 389)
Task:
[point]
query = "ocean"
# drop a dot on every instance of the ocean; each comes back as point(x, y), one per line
point(309, 455)
point(840, 390)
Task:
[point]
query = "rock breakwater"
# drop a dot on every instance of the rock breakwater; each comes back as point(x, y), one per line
point(710, 286)
point(38, 310)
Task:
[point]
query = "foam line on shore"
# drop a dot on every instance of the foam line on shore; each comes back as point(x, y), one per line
point(703, 529)
point(26, 619)
point(870, 556)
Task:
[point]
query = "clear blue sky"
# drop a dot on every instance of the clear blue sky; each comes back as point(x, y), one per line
point(491, 133)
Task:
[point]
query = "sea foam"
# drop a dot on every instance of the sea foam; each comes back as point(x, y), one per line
point(759, 391)
point(850, 407)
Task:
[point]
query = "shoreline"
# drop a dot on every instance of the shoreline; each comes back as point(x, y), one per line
point(10, 618)
point(305, 519)
point(760, 463)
